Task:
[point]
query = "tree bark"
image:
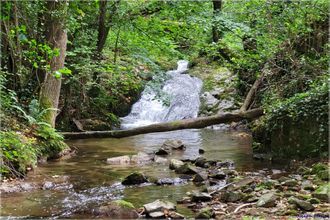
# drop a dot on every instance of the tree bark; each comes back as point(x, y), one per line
point(56, 37)
point(217, 6)
point(200, 122)
point(104, 24)
point(253, 91)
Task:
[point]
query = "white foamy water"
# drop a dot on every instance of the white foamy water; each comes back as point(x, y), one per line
point(183, 91)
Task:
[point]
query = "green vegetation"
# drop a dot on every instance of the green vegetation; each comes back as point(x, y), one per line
point(90, 72)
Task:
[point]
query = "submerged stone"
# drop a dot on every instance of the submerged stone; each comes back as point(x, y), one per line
point(141, 158)
point(121, 160)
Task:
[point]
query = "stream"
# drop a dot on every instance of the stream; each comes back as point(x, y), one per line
point(92, 182)
point(87, 181)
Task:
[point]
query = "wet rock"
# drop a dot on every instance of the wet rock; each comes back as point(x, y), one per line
point(201, 151)
point(160, 160)
point(217, 174)
point(116, 210)
point(230, 172)
point(201, 162)
point(158, 206)
point(135, 178)
point(290, 182)
point(267, 200)
point(122, 160)
point(225, 164)
point(141, 158)
point(241, 183)
point(200, 177)
point(200, 196)
point(205, 213)
point(306, 206)
point(209, 101)
point(175, 164)
point(163, 151)
point(231, 196)
point(48, 185)
point(185, 177)
point(307, 185)
point(187, 169)
point(28, 186)
point(174, 145)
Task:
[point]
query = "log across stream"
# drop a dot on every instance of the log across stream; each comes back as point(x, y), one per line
point(200, 122)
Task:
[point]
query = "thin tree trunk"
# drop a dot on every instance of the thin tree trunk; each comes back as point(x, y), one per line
point(253, 91)
point(200, 122)
point(104, 24)
point(103, 29)
point(56, 37)
point(217, 6)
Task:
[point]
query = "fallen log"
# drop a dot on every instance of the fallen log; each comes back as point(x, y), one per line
point(200, 122)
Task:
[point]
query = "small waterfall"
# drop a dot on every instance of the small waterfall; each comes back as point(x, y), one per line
point(183, 91)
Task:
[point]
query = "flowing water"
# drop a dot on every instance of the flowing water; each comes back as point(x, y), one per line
point(91, 182)
point(183, 93)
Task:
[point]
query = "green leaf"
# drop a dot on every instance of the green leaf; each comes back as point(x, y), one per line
point(65, 71)
point(57, 74)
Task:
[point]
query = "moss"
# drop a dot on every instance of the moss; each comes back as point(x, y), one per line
point(296, 127)
point(124, 204)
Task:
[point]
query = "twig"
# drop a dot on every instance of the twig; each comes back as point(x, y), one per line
point(242, 206)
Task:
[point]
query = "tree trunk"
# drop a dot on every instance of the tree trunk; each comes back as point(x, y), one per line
point(103, 29)
point(200, 122)
point(253, 91)
point(104, 24)
point(217, 6)
point(56, 37)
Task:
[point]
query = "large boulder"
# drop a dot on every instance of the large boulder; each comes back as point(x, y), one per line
point(121, 160)
point(135, 178)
